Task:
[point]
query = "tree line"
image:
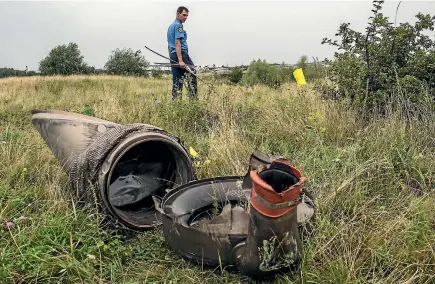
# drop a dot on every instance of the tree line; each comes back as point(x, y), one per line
point(67, 59)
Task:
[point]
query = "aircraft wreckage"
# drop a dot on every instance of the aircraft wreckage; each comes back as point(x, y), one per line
point(143, 177)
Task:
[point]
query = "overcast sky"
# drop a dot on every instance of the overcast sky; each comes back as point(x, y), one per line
point(219, 32)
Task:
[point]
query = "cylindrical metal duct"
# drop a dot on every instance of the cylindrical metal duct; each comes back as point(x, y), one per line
point(119, 167)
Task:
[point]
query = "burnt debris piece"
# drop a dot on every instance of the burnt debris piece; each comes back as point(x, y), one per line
point(142, 176)
point(119, 167)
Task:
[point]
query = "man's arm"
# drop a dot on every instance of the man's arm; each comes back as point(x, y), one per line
point(178, 51)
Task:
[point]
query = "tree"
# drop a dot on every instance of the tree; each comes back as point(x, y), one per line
point(302, 62)
point(63, 60)
point(371, 66)
point(126, 62)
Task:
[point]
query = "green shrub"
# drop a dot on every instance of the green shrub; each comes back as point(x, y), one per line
point(157, 73)
point(260, 72)
point(312, 70)
point(374, 64)
point(286, 74)
point(348, 72)
point(126, 62)
point(88, 110)
point(236, 75)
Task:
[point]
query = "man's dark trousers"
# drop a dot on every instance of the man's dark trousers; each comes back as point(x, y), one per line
point(179, 74)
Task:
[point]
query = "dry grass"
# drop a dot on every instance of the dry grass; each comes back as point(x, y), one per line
point(374, 181)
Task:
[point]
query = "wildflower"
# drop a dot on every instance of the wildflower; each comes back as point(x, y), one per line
point(22, 218)
point(9, 224)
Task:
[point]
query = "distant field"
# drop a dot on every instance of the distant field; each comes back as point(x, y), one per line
point(374, 181)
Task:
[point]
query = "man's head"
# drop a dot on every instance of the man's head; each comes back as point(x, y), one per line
point(182, 14)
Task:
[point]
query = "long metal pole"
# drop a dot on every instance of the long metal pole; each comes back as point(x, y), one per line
point(187, 67)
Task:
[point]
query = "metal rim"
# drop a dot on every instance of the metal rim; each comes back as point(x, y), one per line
point(119, 151)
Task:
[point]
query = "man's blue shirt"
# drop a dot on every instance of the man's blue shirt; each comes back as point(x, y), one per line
point(175, 31)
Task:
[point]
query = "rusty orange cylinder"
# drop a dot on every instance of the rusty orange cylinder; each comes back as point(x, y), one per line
point(271, 202)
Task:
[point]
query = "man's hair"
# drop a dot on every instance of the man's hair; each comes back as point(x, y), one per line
point(181, 9)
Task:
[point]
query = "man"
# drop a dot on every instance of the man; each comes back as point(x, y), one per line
point(178, 51)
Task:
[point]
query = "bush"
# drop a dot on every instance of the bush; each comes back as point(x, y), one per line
point(126, 62)
point(286, 74)
point(348, 71)
point(373, 65)
point(157, 73)
point(260, 72)
point(312, 70)
point(236, 75)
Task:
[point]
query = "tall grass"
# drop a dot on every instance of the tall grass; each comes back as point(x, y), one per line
point(374, 181)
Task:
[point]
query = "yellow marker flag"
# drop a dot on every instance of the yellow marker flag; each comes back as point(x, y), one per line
point(193, 152)
point(299, 76)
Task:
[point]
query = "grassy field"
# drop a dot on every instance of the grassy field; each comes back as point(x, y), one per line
point(374, 181)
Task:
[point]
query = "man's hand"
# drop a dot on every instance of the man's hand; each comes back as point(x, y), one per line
point(178, 51)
